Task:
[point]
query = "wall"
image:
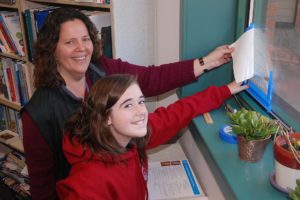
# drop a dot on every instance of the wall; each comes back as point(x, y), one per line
point(167, 39)
point(134, 30)
point(206, 24)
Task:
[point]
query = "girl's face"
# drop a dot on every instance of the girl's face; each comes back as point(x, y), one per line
point(74, 50)
point(129, 116)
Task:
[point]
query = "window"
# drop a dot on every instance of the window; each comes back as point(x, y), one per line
point(279, 23)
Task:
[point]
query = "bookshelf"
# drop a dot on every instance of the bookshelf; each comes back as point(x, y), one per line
point(20, 6)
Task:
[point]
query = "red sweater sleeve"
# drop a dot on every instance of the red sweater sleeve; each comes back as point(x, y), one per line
point(153, 80)
point(166, 122)
point(39, 160)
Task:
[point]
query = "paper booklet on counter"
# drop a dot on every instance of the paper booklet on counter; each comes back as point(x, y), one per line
point(173, 180)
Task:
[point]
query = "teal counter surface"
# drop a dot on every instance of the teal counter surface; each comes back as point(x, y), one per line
point(237, 179)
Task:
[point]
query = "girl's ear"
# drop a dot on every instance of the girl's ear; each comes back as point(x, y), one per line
point(109, 121)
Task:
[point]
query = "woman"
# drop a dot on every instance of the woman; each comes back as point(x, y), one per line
point(67, 63)
point(108, 137)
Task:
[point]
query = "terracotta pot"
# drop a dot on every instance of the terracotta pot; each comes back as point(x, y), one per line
point(252, 150)
point(287, 169)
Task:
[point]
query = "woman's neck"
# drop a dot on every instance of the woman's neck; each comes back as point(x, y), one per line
point(77, 87)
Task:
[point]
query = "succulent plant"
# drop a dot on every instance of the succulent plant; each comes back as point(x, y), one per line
point(295, 194)
point(251, 124)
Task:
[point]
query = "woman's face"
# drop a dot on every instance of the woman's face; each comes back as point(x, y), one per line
point(74, 50)
point(129, 116)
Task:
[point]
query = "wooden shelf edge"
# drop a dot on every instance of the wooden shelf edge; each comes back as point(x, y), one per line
point(69, 2)
point(13, 105)
point(15, 57)
point(14, 6)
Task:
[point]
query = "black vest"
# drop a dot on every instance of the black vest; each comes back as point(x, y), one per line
point(49, 109)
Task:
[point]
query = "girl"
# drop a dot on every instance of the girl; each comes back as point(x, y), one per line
point(107, 138)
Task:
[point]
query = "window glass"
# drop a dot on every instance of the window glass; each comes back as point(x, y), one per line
point(279, 24)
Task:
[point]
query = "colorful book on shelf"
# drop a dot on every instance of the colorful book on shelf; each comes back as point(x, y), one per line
point(6, 39)
point(12, 87)
point(40, 16)
point(11, 21)
point(9, 68)
point(34, 18)
point(4, 48)
point(7, 46)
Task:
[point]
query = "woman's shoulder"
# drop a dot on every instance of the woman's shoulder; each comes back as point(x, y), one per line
point(42, 95)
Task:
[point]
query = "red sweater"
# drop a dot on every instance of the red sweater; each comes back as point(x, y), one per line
point(94, 180)
point(39, 157)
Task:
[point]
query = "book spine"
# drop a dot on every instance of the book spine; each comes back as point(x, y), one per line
point(11, 84)
point(27, 79)
point(12, 21)
point(9, 39)
point(7, 36)
point(29, 31)
point(4, 67)
point(3, 44)
point(19, 83)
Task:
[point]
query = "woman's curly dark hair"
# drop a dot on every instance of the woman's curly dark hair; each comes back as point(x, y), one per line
point(45, 70)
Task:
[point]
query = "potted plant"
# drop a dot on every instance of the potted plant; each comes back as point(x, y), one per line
point(253, 132)
point(287, 158)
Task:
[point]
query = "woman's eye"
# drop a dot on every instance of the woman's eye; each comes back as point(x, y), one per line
point(69, 42)
point(128, 106)
point(87, 39)
point(142, 101)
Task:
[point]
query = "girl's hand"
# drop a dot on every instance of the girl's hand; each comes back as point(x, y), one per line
point(236, 87)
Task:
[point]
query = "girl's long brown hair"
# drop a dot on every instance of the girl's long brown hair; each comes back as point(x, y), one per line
point(89, 124)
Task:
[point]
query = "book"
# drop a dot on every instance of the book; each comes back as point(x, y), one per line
point(2, 118)
point(27, 80)
point(6, 80)
point(7, 38)
point(29, 33)
point(106, 41)
point(172, 179)
point(34, 18)
point(21, 85)
point(5, 48)
point(3, 86)
point(9, 69)
point(40, 16)
point(8, 137)
point(12, 22)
